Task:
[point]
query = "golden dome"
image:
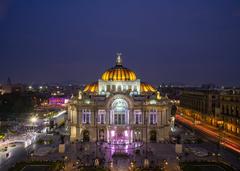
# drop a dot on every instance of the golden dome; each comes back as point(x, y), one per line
point(91, 88)
point(146, 88)
point(119, 73)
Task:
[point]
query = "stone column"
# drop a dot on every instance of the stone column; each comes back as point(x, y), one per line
point(163, 117)
point(161, 133)
point(73, 133)
point(145, 125)
point(80, 116)
point(78, 132)
point(74, 116)
point(92, 117)
point(158, 117)
point(107, 116)
point(131, 113)
point(70, 113)
point(78, 119)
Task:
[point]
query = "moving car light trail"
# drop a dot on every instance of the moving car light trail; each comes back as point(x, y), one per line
point(225, 141)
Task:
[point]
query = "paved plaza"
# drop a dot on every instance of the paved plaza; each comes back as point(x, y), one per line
point(86, 153)
point(119, 157)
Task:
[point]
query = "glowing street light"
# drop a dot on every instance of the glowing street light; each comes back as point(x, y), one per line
point(33, 119)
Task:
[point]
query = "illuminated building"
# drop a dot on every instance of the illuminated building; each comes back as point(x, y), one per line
point(202, 105)
point(213, 107)
point(230, 111)
point(119, 109)
point(57, 101)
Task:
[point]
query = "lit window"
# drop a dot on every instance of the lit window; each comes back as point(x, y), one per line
point(120, 112)
point(101, 116)
point(86, 116)
point(137, 116)
point(153, 117)
point(135, 88)
point(108, 88)
point(113, 87)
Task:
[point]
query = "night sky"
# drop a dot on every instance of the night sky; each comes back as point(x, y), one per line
point(178, 41)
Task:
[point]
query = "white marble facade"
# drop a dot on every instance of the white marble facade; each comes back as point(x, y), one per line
point(119, 110)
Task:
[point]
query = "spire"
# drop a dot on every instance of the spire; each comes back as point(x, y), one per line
point(9, 82)
point(119, 59)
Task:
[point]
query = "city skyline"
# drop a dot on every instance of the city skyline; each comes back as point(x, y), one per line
point(130, 85)
point(57, 41)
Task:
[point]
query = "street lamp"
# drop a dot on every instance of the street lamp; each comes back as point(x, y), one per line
point(221, 127)
point(132, 166)
point(33, 119)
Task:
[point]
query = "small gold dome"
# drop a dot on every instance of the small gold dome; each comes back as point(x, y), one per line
point(147, 88)
point(119, 73)
point(91, 88)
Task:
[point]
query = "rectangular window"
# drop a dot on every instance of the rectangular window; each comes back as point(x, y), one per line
point(86, 116)
point(137, 116)
point(113, 87)
point(101, 116)
point(108, 88)
point(135, 88)
point(124, 87)
point(153, 117)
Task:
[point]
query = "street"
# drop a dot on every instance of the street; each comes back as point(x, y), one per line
point(210, 138)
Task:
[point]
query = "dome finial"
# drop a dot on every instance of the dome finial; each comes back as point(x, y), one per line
point(119, 59)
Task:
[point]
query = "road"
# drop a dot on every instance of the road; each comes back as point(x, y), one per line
point(208, 144)
point(227, 141)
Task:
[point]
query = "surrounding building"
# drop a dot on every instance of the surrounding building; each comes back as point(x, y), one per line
point(11, 88)
point(200, 104)
point(215, 107)
point(230, 111)
point(119, 108)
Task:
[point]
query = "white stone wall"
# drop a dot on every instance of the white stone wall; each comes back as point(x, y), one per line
point(102, 85)
point(162, 127)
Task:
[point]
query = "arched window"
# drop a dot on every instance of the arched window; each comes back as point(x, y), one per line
point(120, 112)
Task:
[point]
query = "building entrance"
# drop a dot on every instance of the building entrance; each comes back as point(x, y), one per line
point(119, 113)
point(120, 136)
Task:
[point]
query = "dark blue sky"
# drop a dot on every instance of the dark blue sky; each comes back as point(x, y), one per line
point(183, 41)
